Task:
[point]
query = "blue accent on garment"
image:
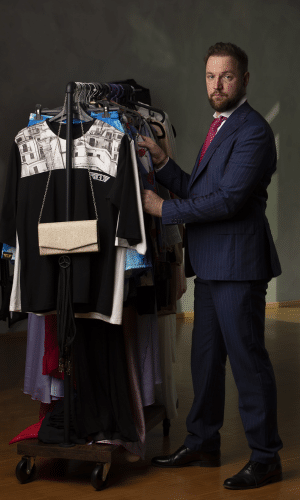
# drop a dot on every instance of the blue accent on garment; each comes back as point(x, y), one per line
point(136, 261)
point(112, 120)
point(34, 121)
point(8, 252)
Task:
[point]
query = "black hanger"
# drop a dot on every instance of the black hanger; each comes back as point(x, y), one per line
point(38, 108)
point(159, 125)
point(78, 112)
point(150, 108)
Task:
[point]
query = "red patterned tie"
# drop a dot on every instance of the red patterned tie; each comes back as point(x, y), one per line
point(211, 134)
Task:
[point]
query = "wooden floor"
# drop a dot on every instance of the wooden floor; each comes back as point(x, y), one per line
point(59, 479)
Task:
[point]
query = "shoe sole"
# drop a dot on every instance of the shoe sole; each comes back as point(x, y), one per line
point(272, 479)
point(199, 463)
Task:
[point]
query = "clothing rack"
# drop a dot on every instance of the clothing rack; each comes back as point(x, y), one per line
point(103, 455)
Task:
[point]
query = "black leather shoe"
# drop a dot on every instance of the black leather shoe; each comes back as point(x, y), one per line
point(186, 457)
point(255, 475)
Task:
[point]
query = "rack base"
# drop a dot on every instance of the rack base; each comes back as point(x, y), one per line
point(103, 455)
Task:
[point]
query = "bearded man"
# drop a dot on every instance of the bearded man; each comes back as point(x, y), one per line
point(231, 252)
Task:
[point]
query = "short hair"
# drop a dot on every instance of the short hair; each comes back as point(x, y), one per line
point(229, 49)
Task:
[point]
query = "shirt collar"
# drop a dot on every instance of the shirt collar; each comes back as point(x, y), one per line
point(230, 111)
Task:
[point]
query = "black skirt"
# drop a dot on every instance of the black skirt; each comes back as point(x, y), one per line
point(101, 408)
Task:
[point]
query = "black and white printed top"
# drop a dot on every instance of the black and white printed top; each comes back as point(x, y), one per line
point(36, 150)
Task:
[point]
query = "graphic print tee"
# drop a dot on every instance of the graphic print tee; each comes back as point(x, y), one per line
point(36, 150)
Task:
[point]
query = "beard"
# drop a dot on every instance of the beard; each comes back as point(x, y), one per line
point(226, 103)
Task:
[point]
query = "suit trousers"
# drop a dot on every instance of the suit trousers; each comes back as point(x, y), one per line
point(230, 320)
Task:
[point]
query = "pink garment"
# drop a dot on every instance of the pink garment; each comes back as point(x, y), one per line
point(32, 431)
point(51, 352)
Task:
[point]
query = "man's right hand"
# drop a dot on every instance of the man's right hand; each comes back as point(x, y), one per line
point(158, 156)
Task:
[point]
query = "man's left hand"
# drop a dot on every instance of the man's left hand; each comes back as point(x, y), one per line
point(152, 203)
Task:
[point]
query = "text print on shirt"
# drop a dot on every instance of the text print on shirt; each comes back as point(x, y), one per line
point(100, 177)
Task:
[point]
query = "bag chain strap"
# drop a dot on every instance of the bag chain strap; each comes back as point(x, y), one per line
point(53, 156)
point(88, 164)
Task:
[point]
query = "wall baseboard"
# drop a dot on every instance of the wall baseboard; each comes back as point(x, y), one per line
point(277, 305)
point(189, 315)
point(185, 315)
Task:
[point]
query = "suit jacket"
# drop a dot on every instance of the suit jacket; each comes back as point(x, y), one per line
point(223, 202)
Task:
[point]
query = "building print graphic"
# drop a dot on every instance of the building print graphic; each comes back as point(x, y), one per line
point(41, 150)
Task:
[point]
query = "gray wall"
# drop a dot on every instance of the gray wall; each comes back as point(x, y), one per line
point(161, 44)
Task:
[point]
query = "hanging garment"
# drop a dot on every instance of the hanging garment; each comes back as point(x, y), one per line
point(134, 261)
point(102, 403)
point(148, 356)
point(51, 350)
point(175, 287)
point(168, 290)
point(130, 337)
point(40, 387)
point(37, 384)
point(166, 393)
point(101, 408)
point(115, 188)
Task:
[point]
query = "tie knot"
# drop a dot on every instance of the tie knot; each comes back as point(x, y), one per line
point(217, 121)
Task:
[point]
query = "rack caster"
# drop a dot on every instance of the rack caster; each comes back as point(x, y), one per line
point(99, 476)
point(25, 471)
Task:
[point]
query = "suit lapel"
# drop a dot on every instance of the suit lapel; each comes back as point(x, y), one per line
point(195, 167)
point(232, 123)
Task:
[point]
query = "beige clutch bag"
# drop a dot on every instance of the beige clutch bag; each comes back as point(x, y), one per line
point(68, 237)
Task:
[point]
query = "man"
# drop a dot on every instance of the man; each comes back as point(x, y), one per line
point(231, 251)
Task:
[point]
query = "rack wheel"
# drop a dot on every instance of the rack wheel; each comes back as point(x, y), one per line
point(99, 476)
point(24, 470)
point(166, 426)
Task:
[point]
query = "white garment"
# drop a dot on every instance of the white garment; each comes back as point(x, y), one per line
point(142, 246)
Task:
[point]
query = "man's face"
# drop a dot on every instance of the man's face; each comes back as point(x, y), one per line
point(224, 82)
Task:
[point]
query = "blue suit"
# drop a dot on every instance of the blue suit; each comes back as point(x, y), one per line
point(231, 251)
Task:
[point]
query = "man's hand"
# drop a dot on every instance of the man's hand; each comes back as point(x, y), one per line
point(152, 203)
point(157, 154)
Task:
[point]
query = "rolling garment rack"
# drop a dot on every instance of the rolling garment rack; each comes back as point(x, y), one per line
point(102, 454)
